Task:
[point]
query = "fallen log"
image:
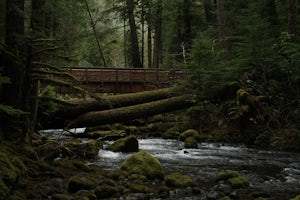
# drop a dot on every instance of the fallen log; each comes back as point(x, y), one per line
point(114, 101)
point(128, 113)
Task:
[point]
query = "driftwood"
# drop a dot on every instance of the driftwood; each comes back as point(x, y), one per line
point(124, 114)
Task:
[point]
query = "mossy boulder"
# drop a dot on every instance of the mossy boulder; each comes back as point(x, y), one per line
point(145, 164)
point(80, 182)
point(85, 195)
point(12, 168)
point(49, 150)
point(72, 165)
point(188, 133)
point(139, 188)
point(127, 144)
point(190, 143)
point(83, 150)
point(296, 198)
point(226, 174)
point(238, 182)
point(171, 133)
point(178, 180)
point(105, 191)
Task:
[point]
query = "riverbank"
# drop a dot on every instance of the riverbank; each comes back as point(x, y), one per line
point(57, 166)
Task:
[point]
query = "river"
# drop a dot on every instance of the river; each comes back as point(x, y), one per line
point(276, 172)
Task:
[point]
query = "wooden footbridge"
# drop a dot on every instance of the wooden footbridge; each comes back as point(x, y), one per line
point(123, 80)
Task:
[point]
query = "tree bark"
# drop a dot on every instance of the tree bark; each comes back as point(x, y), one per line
point(135, 53)
point(157, 55)
point(13, 127)
point(222, 35)
point(149, 37)
point(67, 113)
point(293, 6)
point(2, 22)
point(131, 112)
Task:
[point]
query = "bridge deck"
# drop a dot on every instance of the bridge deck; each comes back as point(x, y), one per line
point(124, 80)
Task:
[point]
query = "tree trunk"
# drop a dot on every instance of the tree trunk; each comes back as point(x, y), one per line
point(222, 35)
point(2, 23)
point(208, 11)
point(135, 52)
point(14, 128)
point(157, 55)
point(149, 37)
point(131, 112)
point(293, 6)
point(67, 113)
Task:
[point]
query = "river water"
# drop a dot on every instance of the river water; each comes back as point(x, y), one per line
point(275, 172)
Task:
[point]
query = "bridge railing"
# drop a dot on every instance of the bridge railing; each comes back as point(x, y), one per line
point(125, 74)
point(123, 80)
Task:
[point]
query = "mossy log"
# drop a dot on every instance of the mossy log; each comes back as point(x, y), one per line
point(115, 101)
point(78, 107)
point(132, 112)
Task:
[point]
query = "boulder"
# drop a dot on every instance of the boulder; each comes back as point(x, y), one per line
point(238, 182)
point(190, 143)
point(78, 182)
point(188, 133)
point(143, 163)
point(296, 198)
point(83, 150)
point(127, 144)
point(224, 175)
point(171, 133)
point(178, 180)
point(105, 191)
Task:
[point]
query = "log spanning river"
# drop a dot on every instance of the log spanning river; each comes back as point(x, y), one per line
point(275, 172)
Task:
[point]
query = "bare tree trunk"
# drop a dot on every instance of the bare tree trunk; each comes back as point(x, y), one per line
point(95, 33)
point(222, 35)
point(143, 32)
point(157, 55)
point(149, 37)
point(208, 12)
point(293, 6)
point(135, 53)
point(2, 22)
point(13, 93)
point(131, 112)
point(149, 46)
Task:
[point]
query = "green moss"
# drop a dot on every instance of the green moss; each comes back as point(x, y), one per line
point(78, 149)
point(143, 163)
point(72, 164)
point(4, 191)
point(178, 180)
point(127, 144)
point(238, 182)
point(171, 133)
point(84, 195)
point(296, 198)
point(105, 191)
point(188, 133)
point(190, 143)
point(117, 174)
point(139, 188)
point(227, 174)
point(78, 182)
point(137, 178)
point(8, 171)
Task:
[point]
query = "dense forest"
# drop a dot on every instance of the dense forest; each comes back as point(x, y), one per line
point(241, 60)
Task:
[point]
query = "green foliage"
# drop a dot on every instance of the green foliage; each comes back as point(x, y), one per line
point(9, 110)
point(47, 106)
